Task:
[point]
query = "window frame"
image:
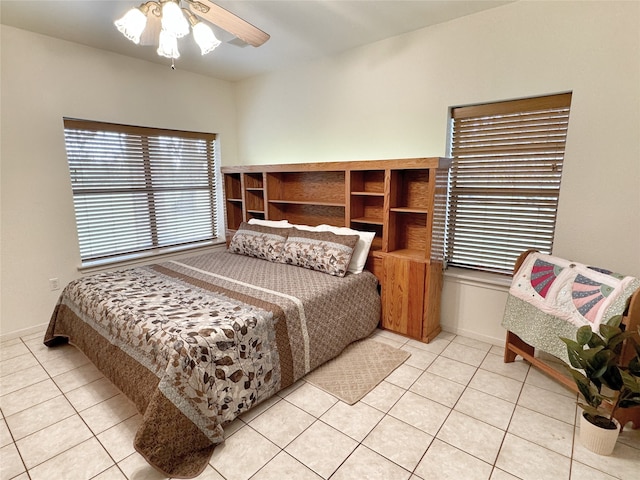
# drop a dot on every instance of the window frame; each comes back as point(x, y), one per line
point(503, 249)
point(154, 156)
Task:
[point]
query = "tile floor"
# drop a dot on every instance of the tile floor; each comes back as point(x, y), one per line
point(454, 410)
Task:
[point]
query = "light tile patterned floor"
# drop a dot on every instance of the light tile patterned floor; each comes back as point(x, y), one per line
point(454, 410)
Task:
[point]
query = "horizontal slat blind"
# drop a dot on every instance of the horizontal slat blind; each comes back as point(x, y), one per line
point(505, 180)
point(139, 189)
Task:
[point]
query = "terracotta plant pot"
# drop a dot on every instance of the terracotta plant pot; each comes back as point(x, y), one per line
point(597, 439)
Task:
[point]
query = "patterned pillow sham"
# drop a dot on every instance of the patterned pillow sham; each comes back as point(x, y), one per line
point(322, 251)
point(360, 251)
point(259, 241)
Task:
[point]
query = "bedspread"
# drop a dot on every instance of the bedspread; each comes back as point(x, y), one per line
point(197, 342)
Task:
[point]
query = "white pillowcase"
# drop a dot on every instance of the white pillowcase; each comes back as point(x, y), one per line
point(270, 223)
point(308, 228)
point(360, 251)
point(282, 224)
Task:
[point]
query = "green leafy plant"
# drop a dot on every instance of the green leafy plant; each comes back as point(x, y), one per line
point(596, 362)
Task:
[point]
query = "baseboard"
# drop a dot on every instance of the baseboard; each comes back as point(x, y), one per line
point(474, 335)
point(23, 332)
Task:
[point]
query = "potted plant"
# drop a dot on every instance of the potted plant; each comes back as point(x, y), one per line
point(604, 383)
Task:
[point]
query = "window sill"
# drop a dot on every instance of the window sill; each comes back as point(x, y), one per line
point(479, 279)
point(149, 257)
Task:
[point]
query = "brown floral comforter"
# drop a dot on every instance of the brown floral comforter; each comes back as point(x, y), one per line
point(197, 342)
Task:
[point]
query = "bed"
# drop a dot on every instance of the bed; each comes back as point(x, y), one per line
point(197, 342)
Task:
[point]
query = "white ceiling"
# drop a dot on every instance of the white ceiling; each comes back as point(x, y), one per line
point(301, 30)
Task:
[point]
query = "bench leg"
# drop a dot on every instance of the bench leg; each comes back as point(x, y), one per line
point(512, 339)
point(625, 415)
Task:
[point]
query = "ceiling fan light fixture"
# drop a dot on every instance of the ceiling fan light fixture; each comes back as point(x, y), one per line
point(173, 20)
point(132, 24)
point(204, 37)
point(168, 45)
point(142, 24)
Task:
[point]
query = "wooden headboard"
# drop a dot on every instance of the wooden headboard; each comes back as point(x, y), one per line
point(402, 201)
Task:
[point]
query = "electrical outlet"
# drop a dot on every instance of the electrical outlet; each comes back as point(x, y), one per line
point(54, 284)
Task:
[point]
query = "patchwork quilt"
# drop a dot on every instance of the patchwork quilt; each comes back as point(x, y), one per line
point(552, 297)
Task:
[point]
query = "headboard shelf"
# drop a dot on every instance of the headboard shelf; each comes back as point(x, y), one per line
point(368, 220)
point(233, 186)
point(311, 186)
point(254, 181)
point(367, 182)
point(368, 194)
point(409, 210)
point(309, 202)
point(400, 200)
point(307, 213)
point(411, 253)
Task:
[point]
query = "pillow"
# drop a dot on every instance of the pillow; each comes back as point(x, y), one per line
point(308, 228)
point(281, 224)
point(270, 223)
point(361, 250)
point(259, 241)
point(322, 251)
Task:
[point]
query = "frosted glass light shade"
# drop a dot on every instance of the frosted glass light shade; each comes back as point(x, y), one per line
point(205, 38)
point(168, 45)
point(173, 21)
point(132, 24)
point(143, 23)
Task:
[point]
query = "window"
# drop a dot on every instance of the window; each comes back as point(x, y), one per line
point(505, 180)
point(139, 190)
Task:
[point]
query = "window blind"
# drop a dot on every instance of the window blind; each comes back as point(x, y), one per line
point(138, 190)
point(505, 180)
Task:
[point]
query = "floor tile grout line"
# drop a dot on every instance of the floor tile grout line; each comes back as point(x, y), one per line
point(16, 371)
point(15, 443)
point(573, 425)
point(573, 439)
point(95, 435)
point(408, 389)
point(319, 419)
point(506, 431)
point(77, 412)
point(451, 409)
point(359, 442)
point(477, 368)
point(282, 449)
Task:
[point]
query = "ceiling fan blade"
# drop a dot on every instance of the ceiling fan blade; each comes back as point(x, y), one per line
point(228, 21)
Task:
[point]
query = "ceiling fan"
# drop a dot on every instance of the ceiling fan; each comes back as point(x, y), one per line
point(164, 21)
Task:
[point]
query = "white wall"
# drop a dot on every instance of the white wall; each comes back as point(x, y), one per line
point(385, 100)
point(391, 99)
point(44, 80)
